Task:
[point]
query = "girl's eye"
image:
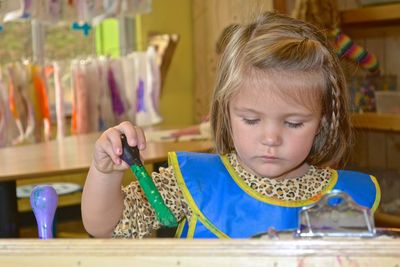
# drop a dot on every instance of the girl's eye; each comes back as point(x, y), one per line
point(294, 124)
point(251, 121)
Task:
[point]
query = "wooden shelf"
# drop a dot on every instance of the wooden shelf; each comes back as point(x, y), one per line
point(376, 121)
point(372, 15)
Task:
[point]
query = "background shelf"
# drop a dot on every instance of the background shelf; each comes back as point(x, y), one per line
point(381, 14)
point(376, 121)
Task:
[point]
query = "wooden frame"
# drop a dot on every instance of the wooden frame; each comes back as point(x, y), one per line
point(175, 252)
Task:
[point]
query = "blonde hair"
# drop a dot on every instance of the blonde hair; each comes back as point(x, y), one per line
point(275, 43)
point(224, 38)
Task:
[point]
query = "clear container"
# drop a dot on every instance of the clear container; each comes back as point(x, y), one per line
point(387, 101)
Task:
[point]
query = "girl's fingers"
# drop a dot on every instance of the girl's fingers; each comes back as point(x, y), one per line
point(114, 137)
point(121, 167)
point(134, 135)
point(109, 150)
point(109, 145)
point(141, 139)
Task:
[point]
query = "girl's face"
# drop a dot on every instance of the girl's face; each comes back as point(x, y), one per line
point(272, 134)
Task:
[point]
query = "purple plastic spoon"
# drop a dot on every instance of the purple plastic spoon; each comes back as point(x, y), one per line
point(44, 201)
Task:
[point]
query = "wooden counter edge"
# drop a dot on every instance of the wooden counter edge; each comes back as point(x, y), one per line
point(175, 252)
point(164, 247)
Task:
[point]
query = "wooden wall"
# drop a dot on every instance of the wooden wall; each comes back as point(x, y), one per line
point(210, 17)
point(377, 149)
point(174, 17)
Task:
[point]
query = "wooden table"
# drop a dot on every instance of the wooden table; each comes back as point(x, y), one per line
point(175, 252)
point(71, 155)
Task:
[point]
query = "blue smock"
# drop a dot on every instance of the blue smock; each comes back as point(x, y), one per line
point(224, 206)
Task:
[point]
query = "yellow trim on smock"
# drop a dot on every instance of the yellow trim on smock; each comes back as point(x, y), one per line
point(377, 194)
point(173, 161)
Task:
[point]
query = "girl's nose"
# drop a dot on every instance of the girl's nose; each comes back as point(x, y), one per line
point(271, 137)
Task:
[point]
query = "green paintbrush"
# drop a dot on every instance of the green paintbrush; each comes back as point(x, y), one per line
point(132, 157)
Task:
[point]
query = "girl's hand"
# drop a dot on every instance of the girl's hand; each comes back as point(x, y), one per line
point(108, 147)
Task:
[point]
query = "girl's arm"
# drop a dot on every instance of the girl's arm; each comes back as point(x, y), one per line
point(102, 202)
point(102, 198)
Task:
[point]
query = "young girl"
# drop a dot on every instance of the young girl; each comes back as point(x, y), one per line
point(279, 117)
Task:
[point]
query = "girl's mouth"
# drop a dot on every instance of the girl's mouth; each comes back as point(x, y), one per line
point(269, 158)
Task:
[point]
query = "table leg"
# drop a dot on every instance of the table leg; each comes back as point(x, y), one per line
point(8, 210)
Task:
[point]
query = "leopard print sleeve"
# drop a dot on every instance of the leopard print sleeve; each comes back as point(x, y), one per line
point(138, 218)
